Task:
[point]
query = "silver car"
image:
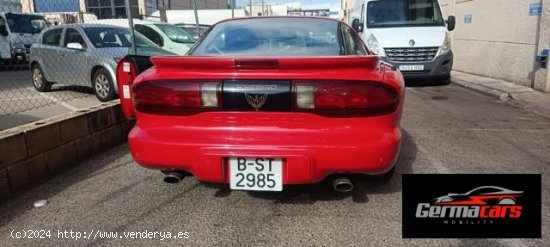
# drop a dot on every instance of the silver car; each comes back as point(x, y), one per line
point(85, 55)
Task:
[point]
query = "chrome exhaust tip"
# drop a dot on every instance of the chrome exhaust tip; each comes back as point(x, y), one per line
point(173, 177)
point(342, 185)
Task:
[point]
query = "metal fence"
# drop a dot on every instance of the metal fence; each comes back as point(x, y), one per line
point(57, 56)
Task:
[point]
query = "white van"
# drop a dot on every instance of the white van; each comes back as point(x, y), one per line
point(17, 33)
point(167, 36)
point(409, 34)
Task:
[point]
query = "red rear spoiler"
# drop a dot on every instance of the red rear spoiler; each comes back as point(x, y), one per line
point(287, 63)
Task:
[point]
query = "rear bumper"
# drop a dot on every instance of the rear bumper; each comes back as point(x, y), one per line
point(312, 147)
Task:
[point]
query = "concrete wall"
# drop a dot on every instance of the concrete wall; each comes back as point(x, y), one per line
point(542, 76)
point(500, 42)
point(34, 152)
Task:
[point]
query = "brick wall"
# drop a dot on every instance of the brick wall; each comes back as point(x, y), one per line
point(31, 153)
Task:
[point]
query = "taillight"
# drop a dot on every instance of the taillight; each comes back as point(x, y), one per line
point(345, 99)
point(176, 97)
point(125, 75)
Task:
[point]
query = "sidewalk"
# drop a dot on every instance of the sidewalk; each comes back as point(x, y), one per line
point(523, 96)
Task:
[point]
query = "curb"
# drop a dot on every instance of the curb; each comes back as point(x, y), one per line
point(493, 93)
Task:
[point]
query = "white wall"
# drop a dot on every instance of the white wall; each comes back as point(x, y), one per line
point(500, 42)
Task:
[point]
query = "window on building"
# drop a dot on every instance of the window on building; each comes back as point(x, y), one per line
point(108, 9)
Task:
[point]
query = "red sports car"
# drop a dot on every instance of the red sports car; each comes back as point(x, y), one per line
point(265, 102)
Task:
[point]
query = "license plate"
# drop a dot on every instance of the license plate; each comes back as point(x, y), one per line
point(411, 67)
point(258, 174)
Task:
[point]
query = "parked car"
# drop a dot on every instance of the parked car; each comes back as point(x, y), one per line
point(18, 32)
point(411, 35)
point(84, 54)
point(166, 36)
point(261, 103)
point(192, 29)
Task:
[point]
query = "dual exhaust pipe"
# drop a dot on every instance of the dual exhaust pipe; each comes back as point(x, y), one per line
point(173, 177)
point(342, 184)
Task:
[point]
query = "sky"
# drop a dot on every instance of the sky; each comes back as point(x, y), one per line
point(306, 2)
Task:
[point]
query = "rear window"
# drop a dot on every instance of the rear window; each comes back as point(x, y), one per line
point(273, 37)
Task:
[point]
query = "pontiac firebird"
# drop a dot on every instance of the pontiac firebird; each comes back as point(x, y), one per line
point(265, 102)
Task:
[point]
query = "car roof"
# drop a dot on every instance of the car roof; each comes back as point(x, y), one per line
point(191, 24)
point(82, 25)
point(280, 17)
point(125, 21)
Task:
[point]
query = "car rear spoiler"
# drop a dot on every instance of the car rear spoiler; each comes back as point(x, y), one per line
point(287, 63)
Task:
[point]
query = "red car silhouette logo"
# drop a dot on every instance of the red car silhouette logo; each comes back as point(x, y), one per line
point(481, 196)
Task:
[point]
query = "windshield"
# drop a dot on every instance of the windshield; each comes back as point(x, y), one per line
point(266, 37)
point(104, 37)
point(25, 23)
point(176, 34)
point(403, 13)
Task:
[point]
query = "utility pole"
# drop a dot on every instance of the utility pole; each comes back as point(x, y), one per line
point(250, 7)
point(196, 15)
point(131, 24)
point(262, 7)
point(232, 8)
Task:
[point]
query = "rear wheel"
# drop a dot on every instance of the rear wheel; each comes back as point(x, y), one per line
point(39, 80)
point(103, 85)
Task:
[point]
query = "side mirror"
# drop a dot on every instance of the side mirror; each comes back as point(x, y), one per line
point(75, 46)
point(451, 23)
point(357, 26)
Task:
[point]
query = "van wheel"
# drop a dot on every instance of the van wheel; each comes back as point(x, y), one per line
point(103, 85)
point(39, 80)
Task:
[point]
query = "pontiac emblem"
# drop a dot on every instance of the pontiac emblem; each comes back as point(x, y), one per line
point(256, 101)
point(411, 42)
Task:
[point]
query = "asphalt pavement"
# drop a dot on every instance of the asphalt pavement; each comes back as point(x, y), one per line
point(20, 103)
point(446, 130)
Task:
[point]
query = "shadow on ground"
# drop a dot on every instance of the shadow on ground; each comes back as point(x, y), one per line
point(78, 89)
point(323, 191)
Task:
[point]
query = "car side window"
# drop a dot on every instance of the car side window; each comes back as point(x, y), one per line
point(52, 37)
point(359, 45)
point(150, 34)
point(73, 36)
point(353, 46)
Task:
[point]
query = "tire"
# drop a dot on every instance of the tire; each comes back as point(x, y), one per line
point(39, 81)
point(103, 86)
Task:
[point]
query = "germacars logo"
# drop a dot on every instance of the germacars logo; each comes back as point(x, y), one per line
point(483, 203)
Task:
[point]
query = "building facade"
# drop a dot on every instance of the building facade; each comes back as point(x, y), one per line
point(107, 9)
point(501, 39)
